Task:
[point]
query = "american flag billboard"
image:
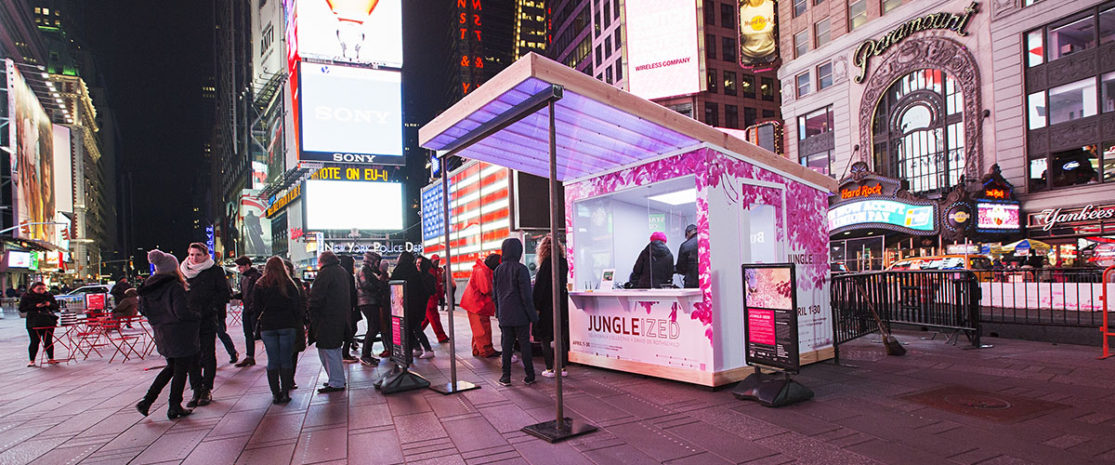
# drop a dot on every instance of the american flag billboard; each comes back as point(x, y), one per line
point(480, 215)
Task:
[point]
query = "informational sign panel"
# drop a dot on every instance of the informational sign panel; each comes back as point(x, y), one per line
point(769, 302)
point(94, 302)
point(400, 340)
point(662, 48)
point(889, 214)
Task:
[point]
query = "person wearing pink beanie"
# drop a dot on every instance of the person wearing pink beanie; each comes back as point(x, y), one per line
point(655, 266)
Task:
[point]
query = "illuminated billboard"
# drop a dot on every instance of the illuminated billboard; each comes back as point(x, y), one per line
point(346, 205)
point(346, 31)
point(887, 214)
point(758, 44)
point(351, 115)
point(663, 53)
point(63, 170)
point(255, 228)
point(996, 216)
point(32, 160)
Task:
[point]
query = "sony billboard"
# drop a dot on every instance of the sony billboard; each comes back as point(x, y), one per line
point(351, 115)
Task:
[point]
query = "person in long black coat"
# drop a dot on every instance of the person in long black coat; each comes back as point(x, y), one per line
point(514, 308)
point(39, 307)
point(208, 292)
point(418, 292)
point(543, 293)
point(176, 326)
point(354, 316)
point(278, 305)
point(330, 305)
point(687, 258)
point(655, 266)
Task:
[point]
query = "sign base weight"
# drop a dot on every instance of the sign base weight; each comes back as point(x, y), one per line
point(551, 432)
point(450, 388)
point(401, 381)
point(773, 392)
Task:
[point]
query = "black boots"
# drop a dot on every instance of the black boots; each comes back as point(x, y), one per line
point(176, 411)
point(286, 380)
point(247, 362)
point(273, 381)
point(144, 407)
point(193, 401)
point(201, 397)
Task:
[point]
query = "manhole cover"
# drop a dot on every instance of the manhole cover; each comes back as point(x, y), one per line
point(997, 407)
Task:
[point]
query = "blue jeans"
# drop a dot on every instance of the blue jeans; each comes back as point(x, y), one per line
point(334, 368)
point(279, 344)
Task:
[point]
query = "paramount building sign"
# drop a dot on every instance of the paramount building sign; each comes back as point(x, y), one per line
point(956, 22)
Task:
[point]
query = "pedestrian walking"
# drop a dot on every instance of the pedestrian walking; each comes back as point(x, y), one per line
point(119, 288)
point(207, 293)
point(349, 265)
point(330, 304)
point(543, 330)
point(385, 309)
point(176, 326)
point(39, 306)
point(417, 295)
point(277, 302)
point(477, 301)
point(433, 316)
point(514, 308)
point(300, 328)
point(371, 294)
point(248, 277)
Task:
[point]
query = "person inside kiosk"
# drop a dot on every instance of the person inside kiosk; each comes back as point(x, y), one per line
point(610, 233)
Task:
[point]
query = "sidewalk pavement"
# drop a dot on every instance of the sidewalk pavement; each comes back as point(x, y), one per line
point(1017, 402)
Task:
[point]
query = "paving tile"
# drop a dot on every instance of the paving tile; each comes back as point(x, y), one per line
point(237, 424)
point(171, 447)
point(419, 427)
point(406, 403)
point(374, 448)
point(619, 455)
point(699, 459)
point(65, 455)
point(273, 428)
point(368, 416)
point(321, 445)
point(142, 434)
point(505, 418)
point(335, 413)
point(660, 446)
point(282, 453)
point(29, 451)
point(719, 442)
point(473, 433)
point(217, 451)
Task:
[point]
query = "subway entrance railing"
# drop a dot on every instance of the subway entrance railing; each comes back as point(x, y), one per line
point(947, 301)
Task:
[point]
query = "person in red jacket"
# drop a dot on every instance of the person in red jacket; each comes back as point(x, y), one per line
point(433, 318)
point(477, 300)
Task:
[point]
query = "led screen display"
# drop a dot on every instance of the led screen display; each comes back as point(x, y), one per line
point(345, 205)
point(351, 115)
point(918, 218)
point(32, 160)
point(63, 171)
point(347, 31)
point(1002, 216)
point(757, 42)
point(664, 56)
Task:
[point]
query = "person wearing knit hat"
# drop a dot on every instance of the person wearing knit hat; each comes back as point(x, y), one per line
point(175, 325)
point(655, 266)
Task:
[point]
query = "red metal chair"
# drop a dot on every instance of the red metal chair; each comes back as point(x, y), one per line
point(56, 341)
point(123, 340)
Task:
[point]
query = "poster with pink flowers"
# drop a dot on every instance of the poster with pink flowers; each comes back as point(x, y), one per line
point(771, 337)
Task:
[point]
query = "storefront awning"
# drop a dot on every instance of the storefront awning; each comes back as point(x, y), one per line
point(598, 128)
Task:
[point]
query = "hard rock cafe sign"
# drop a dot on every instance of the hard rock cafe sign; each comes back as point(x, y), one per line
point(956, 22)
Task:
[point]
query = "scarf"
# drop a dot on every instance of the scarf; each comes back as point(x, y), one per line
point(191, 271)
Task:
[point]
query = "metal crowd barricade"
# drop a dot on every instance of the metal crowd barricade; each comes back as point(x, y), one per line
point(1047, 296)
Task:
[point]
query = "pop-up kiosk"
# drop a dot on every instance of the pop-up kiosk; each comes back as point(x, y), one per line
point(631, 168)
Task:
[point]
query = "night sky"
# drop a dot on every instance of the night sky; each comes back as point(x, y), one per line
point(155, 57)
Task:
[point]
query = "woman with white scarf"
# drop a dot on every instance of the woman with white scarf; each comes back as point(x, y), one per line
point(208, 292)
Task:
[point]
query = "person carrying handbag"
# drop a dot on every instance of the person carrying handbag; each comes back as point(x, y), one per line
point(39, 307)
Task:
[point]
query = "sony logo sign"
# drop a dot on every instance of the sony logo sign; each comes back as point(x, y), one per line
point(353, 158)
point(351, 115)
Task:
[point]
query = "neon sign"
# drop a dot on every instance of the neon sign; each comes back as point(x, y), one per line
point(916, 218)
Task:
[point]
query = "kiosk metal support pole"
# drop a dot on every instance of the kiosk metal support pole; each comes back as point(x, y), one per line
point(561, 428)
point(454, 386)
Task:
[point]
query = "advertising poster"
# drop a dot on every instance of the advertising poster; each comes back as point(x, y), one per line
point(255, 233)
point(351, 115)
point(907, 217)
point(663, 53)
point(653, 332)
point(400, 352)
point(63, 171)
point(267, 31)
point(32, 160)
point(331, 205)
point(998, 216)
point(758, 44)
point(771, 338)
point(349, 31)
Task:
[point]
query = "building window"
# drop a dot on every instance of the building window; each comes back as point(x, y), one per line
point(599, 55)
point(815, 123)
point(731, 116)
point(730, 83)
point(712, 114)
point(710, 46)
point(747, 85)
point(1035, 48)
point(619, 69)
point(749, 117)
point(857, 13)
point(819, 162)
point(803, 84)
point(799, 7)
point(615, 9)
point(727, 15)
point(596, 25)
point(607, 14)
point(728, 48)
point(608, 75)
point(711, 80)
point(801, 43)
point(821, 32)
point(1072, 101)
point(889, 5)
point(709, 8)
point(607, 48)
point(768, 113)
point(766, 89)
point(1035, 104)
point(824, 76)
point(1071, 36)
point(616, 40)
point(915, 136)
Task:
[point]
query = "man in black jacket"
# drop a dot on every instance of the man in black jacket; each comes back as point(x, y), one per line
point(208, 293)
point(248, 277)
point(687, 258)
point(330, 304)
point(655, 266)
point(511, 292)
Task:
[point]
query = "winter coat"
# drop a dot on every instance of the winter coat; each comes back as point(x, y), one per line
point(207, 295)
point(418, 290)
point(247, 288)
point(126, 306)
point(478, 293)
point(119, 289)
point(275, 310)
point(511, 287)
point(330, 304)
point(687, 262)
point(38, 317)
point(370, 289)
point(176, 324)
point(543, 301)
point(657, 260)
